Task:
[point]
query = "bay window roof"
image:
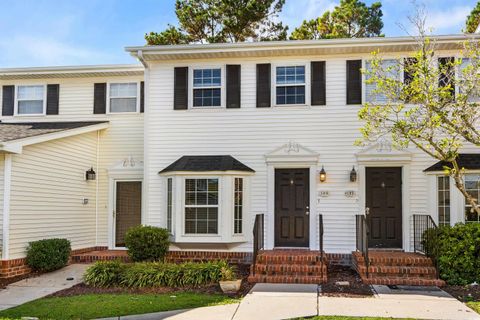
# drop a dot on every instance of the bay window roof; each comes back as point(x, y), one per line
point(207, 164)
point(469, 161)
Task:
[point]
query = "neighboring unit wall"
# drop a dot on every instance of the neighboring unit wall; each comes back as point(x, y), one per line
point(2, 160)
point(123, 138)
point(48, 191)
point(249, 133)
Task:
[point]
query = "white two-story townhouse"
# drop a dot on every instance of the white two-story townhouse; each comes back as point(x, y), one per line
point(71, 154)
point(214, 141)
point(233, 131)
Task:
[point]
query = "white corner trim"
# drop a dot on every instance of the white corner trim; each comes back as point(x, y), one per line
point(7, 177)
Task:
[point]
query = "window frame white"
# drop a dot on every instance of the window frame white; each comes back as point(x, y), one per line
point(465, 204)
point(170, 195)
point(137, 104)
point(222, 87)
point(274, 84)
point(438, 190)
point(219, 205)
point(243, 206)
point(44, 111)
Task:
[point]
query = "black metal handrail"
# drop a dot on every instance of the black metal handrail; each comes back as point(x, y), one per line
point(258, 236)
point(425, 237)
point(320, 242)
point(362, 239)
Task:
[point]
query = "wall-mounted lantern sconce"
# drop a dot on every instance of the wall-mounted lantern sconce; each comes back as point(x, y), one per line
point(353, 175)
point(90, 175)
point(323, 175)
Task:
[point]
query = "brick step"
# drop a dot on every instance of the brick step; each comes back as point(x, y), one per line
point(304, 259)
point(297, 268)
point(399, 271)
point(395, 260)
point(408, 281)
point(104, 255)
point(287, 279)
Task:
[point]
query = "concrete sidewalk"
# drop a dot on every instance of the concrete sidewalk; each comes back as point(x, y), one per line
point(37, 287)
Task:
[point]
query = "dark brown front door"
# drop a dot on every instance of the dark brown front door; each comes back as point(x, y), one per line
point(292, 201)
point(384, 203)
point(128, 208)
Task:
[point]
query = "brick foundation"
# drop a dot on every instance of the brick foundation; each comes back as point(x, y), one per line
point(17, 267)
point(198, 256)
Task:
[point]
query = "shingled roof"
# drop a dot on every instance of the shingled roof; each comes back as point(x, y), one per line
point(207, 163)
point(15, 131)
point(469, 161)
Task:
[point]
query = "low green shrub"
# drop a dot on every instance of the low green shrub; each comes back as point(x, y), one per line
point(458, 253)
point(156, 274)
point(147, 243)
point(48, 255)
point(105, 273)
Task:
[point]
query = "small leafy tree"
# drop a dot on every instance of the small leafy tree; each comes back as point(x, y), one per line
point(215, 21)
point(351, 19)
point(426, 110)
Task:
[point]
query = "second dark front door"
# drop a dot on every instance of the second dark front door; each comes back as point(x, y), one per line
point(292, 210)
point(384, 203)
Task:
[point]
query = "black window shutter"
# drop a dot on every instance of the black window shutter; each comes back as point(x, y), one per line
point(53, 92)
point(447, 73)
point(263, 85)
point(354, 82)
point(408, 63)
point(142, 96)
point(318, 83)
point(8, 100)
point(100, 98)
point(180, 93)
point(233, 86)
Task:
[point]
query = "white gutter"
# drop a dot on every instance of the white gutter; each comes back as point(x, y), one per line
point(141, 59)
point(7, 184)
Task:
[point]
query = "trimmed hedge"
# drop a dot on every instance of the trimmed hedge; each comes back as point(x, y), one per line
point(155, 274)
point(458, 253)
point(147, 243)
point(48, 255)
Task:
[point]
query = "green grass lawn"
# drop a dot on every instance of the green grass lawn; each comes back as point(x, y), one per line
point(92, 306)
point(474, 305)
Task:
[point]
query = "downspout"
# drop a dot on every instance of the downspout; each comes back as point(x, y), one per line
point(96, 187)
point(7, 185)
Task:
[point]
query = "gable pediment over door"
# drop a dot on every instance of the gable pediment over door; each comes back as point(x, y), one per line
point(382, 151)
point(292, 152)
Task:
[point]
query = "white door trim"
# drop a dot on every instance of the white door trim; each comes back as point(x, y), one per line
point(112, 203)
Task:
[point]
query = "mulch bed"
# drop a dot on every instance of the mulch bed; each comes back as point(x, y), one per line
point(82, 288)
point(356, 289)
point(464, 293)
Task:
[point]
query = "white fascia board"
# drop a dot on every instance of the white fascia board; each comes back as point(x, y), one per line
point(16, 146)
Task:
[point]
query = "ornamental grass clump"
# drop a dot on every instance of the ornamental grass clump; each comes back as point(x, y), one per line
point(156, 274)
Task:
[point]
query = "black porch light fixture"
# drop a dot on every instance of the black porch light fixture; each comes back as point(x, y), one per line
point(90, 174)
point(353, 175)
point(323, 175)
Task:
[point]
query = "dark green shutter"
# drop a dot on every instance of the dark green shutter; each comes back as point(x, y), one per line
point(100, 98)
point(354, 82)
point(318, 83)
point(180, 92)
point(53, 98)
point(263, 85)
point(8, 100)
point(233, 86)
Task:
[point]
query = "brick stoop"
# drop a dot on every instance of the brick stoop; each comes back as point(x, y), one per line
point(100, 255)
point(397, 268)
point(288, 266)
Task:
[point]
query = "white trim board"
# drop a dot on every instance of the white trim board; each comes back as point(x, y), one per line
point(7, 177)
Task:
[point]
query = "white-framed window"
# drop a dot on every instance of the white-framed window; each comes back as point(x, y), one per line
point(31, 100)
point(443, 200)
point(201, 205)
point(472, 185)
point(169, 204)
point(392, 69)
point(290, 85)
point(123, 97)
point(207, 87)
point(238, 200)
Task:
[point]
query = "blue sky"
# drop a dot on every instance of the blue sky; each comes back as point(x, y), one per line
point(71, 32)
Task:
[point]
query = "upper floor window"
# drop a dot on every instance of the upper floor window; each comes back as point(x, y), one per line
point(31, 100)
point(123, 97)
point(290, 85)
point(472, 185)
point(207, 87)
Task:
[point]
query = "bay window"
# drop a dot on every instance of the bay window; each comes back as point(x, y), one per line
point(290, 85)
point(201, 206)
point(169, 204)
point(238, 206)
point(443, 200)
point(31, 100)
point(472, 185)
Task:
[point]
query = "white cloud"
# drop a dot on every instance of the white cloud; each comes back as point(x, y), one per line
point(447, 20)
point(294, 12)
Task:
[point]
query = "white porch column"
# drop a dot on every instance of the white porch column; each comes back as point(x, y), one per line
point(7, 177)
